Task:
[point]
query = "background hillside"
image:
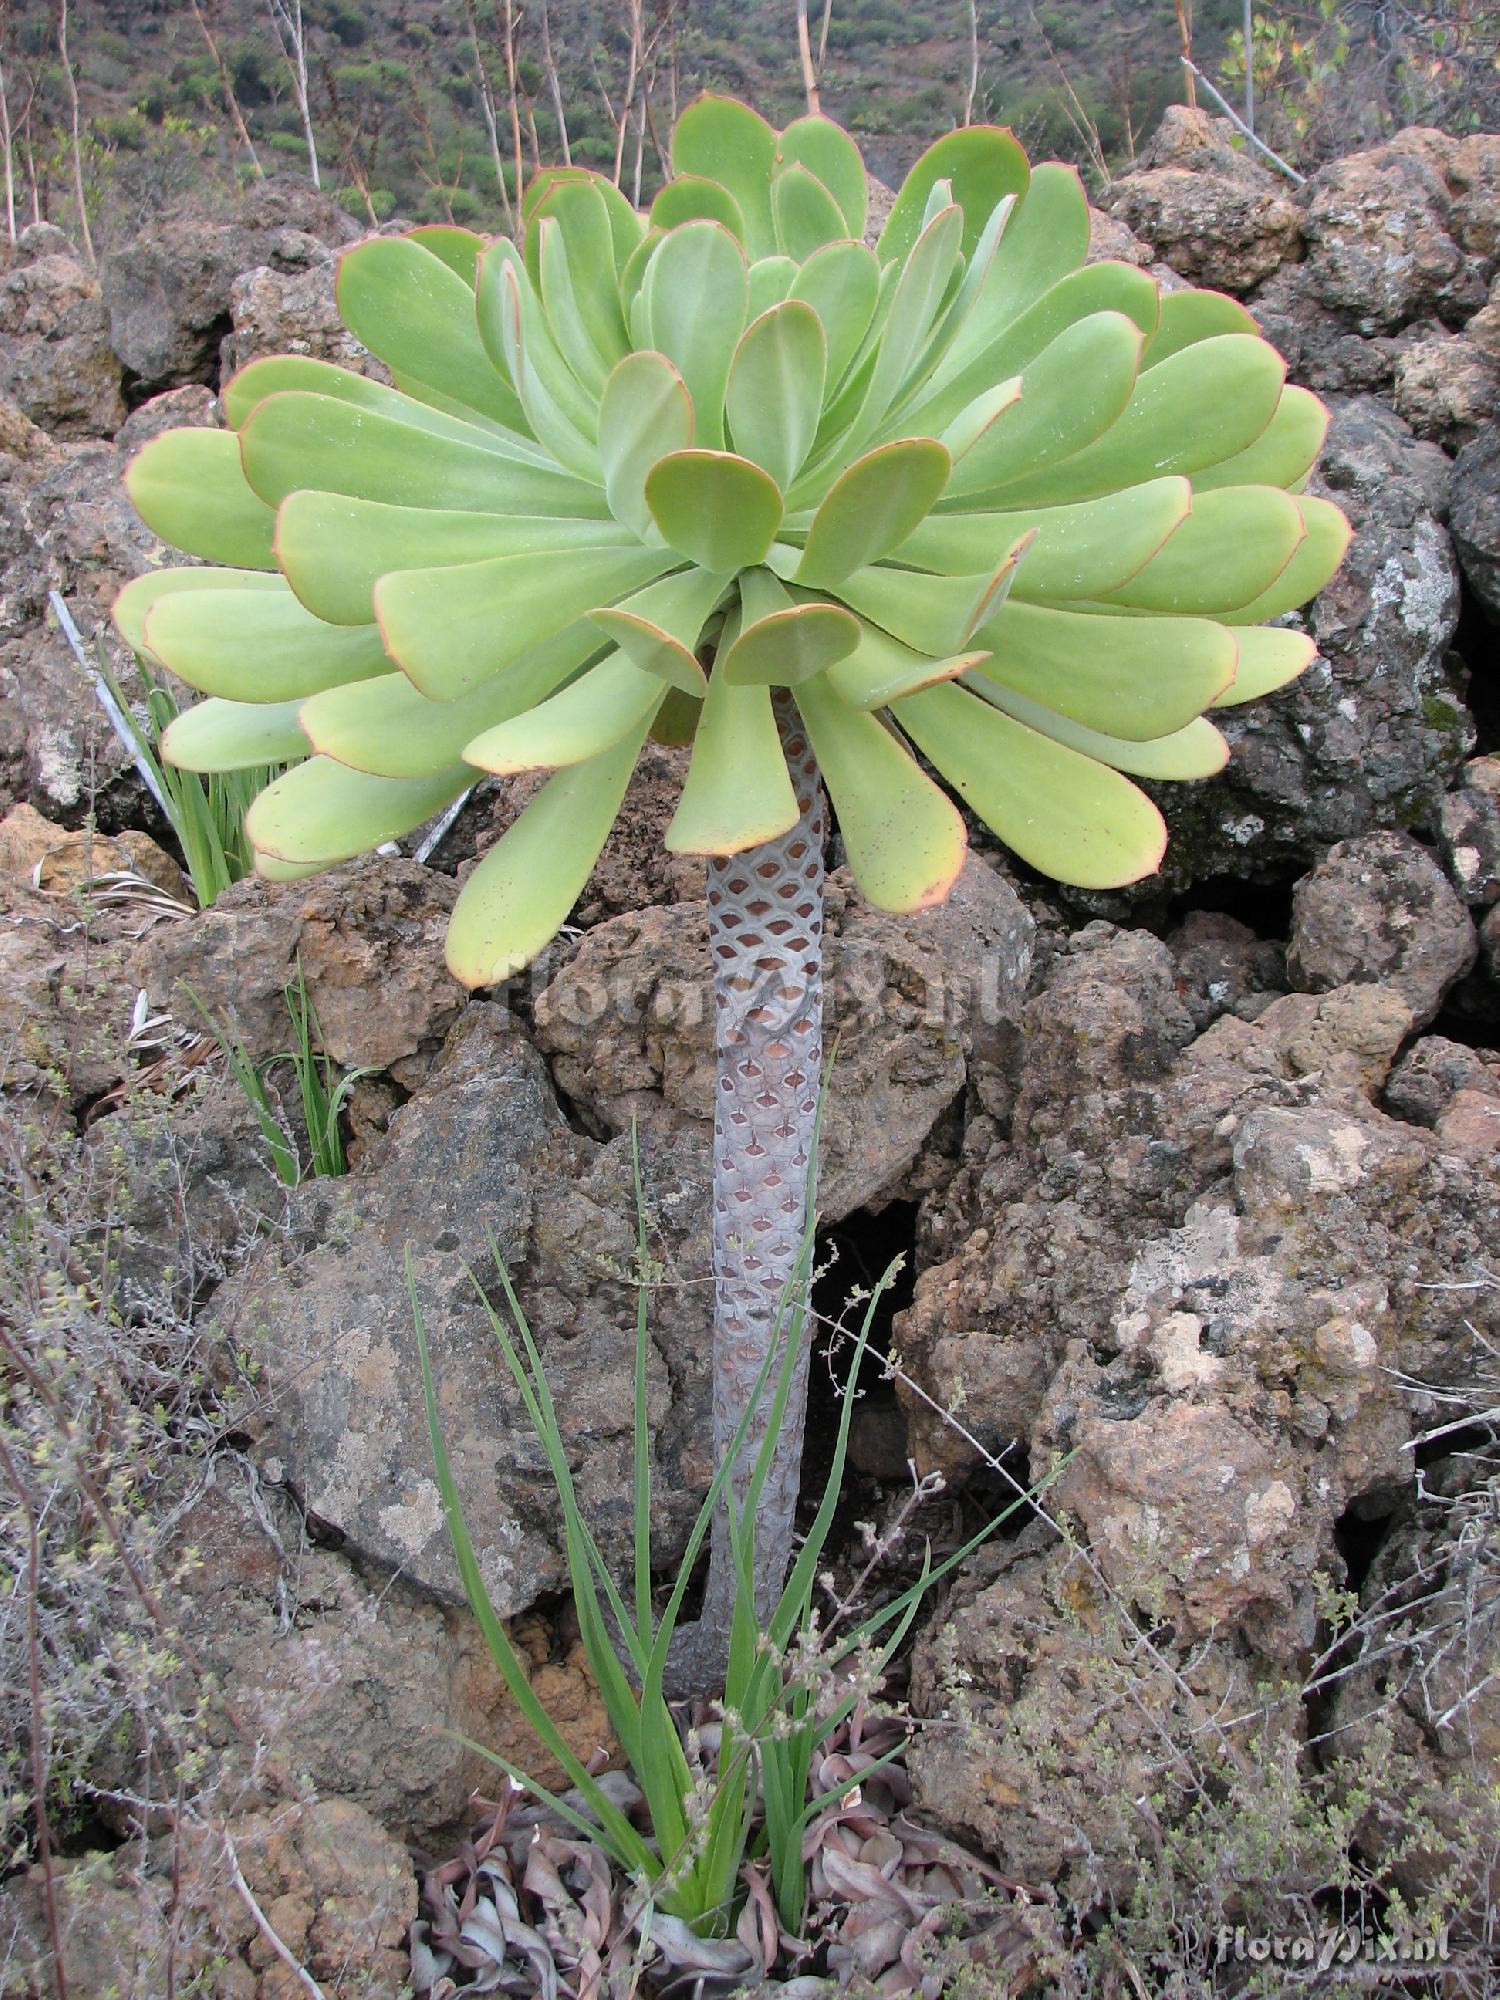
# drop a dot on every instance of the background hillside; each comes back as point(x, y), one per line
point(399, 90)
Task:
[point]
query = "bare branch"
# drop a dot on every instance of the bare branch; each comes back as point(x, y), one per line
point(1240, 126)
point(226, 85)
point(549, 70)
point(291, 38)
point(804, 51)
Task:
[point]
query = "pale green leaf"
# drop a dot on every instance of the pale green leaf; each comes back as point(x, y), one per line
point(1070, 818)
point(586, 214)
point(881, 670)
point(218, 735)
point(982, 356)
point(690, 198)
point(321, 812)
point(841, 284)
point(659, 627)
point(905, 841)
point(295, 441)
point(726, 141)
point(828, 151)
point(806, 215)
point(135, 602)
point(519, 896)
point(717, 509)
point(1229, 551)
point(738, 791)
point(982, 162)
point(458, 248)
point(449, 629)
point(550, 193)
point(1271, 656)
point(255, 645)
point(645, 412)
point(1045, 238)
point(1072, 395)
point(283, 374)
point(590, 715)
point(932, 614)
point(775, 390)
point(189, 487)
point(1085, 550)
point(386, 727)
point(771, 279)
point(1284, 453)
point(872, 507)
point(334, 549)
point(417, 315)
point(1191, 316)
point(695, 298)
point(1197, 750)
point(1135, 677)
point(1192, 410)
point(783, 644)
point(1317, 557)
point(560, 411)
point(590, 350)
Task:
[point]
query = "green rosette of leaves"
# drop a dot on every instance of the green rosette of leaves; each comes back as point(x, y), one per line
point(984, 509)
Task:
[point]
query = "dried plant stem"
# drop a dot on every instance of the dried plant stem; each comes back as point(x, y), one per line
point(75, 121)
point(1241, 127)
point(226, 86)
point(38, 1753)
point(549, 70)
point(804, 51)
point(263, 1923)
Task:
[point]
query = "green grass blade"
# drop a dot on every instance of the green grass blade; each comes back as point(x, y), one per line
point(642, 1437)
point(624, 1841)
point(253, 1086)
point(530, 1379)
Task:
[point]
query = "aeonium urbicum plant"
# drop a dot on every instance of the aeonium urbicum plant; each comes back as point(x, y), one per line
point(957, 519)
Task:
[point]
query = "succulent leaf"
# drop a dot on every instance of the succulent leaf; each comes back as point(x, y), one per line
point(219, 735)
point(334, 549)
point(1135, 677)
point(257, 645)
point(386, 727)
point(717, 509)
point(827, 151)
point(514, 902)
point(905, 839)
point(137, 599)
point(188, 486)
point(591, 715)
point(319, 812)
point(738, 791)
point(775, 389)
point(642, 476)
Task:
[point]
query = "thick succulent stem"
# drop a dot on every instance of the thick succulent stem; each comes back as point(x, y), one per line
point(766, 945)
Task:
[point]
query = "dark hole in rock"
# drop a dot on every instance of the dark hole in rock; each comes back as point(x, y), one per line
point(1477, 644)
point(1265, 907)
point(1360, 1532)
point(851, 1258)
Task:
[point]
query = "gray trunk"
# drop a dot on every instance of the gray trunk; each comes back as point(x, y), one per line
point(765, 912)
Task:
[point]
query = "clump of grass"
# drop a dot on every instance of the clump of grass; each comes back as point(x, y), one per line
point(788, 1688)
point(322, 1091)
point(206, 812)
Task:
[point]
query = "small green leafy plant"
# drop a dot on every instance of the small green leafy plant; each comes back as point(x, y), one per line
point(206, 810)
point(323, 1092)
point(785, 1692)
